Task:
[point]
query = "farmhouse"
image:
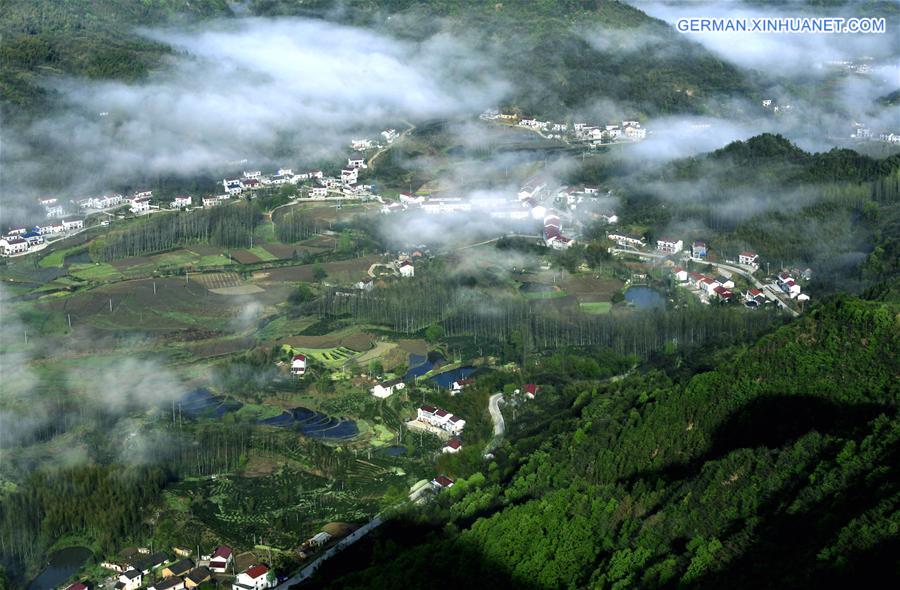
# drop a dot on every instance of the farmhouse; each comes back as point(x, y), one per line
point(179, 568)
point(387, 388)
point(749, 259)
point(181, 202)
point(232, 186)
point(442, 481)
point(454, 445)
point(251, 184)
point(440, 418)
point(144, 193)
point(681, 275)
point(140, 205)
point(257, 577)
point(406, 269)
point(298, 365)
point(318, 191)
point(349, 175)
point(319, 539)
point(149, 562)
point(197, 576)
point(10, 245)
point(625, 239)
point(458, 385)
point(722, 293)
point(129, 580)
point(669, 245)
point(530, 390)
point(172, 583)
point(698, 250)
point(725, 282)
point(356, 163)
point(254, 174)
point(72, 224)
point(221, 558)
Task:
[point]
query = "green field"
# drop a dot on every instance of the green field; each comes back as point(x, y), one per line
point(596, 307)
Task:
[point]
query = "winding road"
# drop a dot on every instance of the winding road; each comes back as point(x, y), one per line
point(499, 424)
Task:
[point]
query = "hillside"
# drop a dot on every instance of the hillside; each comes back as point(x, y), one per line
point(562, 54)
point(92, 38)
point(776, 467)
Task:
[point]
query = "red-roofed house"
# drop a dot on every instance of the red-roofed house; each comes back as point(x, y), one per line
point(298, 365)
point(722, 293)
point(454, 445)
point(257, 577)
point(457, 385)
point(407, 269)
point(221, 559)
point(530, 390)
point(442, 481)
point(681, 275)
point(77, 586)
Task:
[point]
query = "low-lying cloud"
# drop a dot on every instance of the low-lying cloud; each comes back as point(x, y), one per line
point(268, 91)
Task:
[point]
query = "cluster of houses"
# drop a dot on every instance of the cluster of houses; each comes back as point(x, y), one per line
point(596, 134)
point(20, 240)
point(710, 288)
point(52, 207)
point(790, 286)
point(770, 104)
point(441, 419)
point(156, 571)
point(138, 203)
point(362, 145)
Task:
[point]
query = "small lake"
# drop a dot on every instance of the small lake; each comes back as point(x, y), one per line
point(62, 565)
point(645, 297)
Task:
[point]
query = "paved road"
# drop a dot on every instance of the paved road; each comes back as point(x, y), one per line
point(499, 423)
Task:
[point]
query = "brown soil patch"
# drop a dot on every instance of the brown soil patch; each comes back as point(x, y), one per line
point(245, 256)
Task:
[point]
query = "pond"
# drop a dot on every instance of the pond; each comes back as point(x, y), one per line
point(201, 403)
point(447, 378)
point(395, 451)
point(62, 565)
point(645, 297)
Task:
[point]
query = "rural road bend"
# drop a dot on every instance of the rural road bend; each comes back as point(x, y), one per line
point(499, 424)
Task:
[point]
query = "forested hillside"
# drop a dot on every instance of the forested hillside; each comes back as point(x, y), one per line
point(92, 38)
point(776, 467)
point(562, 54)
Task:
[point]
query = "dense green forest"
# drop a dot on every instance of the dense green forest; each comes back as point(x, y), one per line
point(774, 466)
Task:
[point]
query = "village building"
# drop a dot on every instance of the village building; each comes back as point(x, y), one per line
point(349, 175)
point(257, 577)
point(453, 446)
point(179, 568)
point(220, 559)
point(144, 193)
point(11, 245)
point(387, 388)
point(441, 482)
point(72, 224)
point(319, 539)
point(232, 186)
point(254, 174)
point(171, 583)
point(140, 205)
point(318, 191)
point(441, 419)
point(129, 580)
point(722, 293)
point(669, 245)
point(530, 390)
point(626, 239)
point(459, 384)
point(149, 562)
point(77, 586)
point(197, 576)
point(298, 365)
point(406, 269)
point(725, 282)
point(356, 163)
point(365, 285)
point(181, 202)
point(681, 275)
point(749, 259)
point(698, 250)
point(251, 184)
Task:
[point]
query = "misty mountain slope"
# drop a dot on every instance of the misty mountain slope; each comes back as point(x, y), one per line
point(91, 38)
point(562, 54)
point(832, 211)
point(777, 469)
